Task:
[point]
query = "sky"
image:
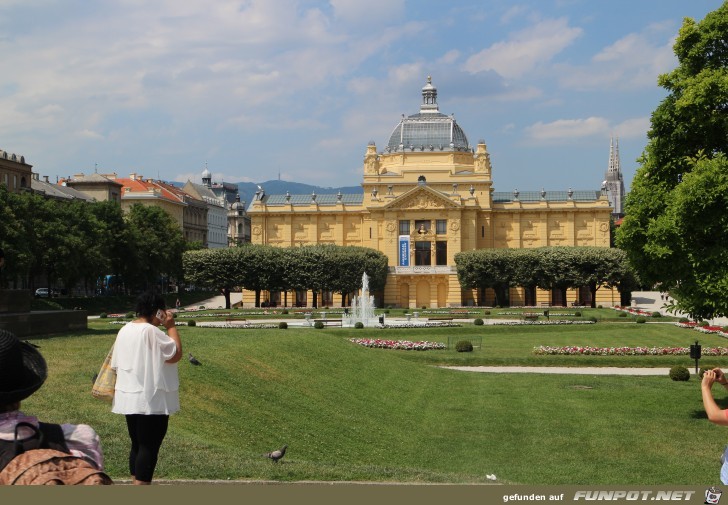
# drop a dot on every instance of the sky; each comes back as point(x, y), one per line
point(255, 90)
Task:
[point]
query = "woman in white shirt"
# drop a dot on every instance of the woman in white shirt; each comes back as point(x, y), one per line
point(147, 386)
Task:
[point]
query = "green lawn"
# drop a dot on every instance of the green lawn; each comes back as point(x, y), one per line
point(353, 413)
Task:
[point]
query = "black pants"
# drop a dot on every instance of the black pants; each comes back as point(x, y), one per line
point(146, 433)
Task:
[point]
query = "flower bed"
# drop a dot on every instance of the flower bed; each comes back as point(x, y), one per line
point(530, 322)
point(121, 323)
point(428, 324)
point(398, 344)
point(633, 311)
point(626, 351)
point(453, 311)
point(716, 330)
point(239, 326)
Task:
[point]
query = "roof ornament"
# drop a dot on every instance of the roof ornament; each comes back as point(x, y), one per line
point(288, 196)
point(570, 193)
point(515, 194)
point(472, 190)
point(543, 194)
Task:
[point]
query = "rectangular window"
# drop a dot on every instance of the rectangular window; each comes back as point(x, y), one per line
point(441, 252)
point(404, 227)
point(441, 226)
point(482, 231)
point(423, 254)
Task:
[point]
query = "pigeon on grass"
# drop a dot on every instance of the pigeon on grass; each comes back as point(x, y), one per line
point(277, 455)
point(194, 360)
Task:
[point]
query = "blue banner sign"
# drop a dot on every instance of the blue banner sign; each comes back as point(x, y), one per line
point(404, 254)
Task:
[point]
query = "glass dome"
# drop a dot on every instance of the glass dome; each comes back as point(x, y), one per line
point(428, 130)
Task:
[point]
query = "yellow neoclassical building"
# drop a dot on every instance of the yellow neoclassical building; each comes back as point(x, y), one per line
point(428, 194)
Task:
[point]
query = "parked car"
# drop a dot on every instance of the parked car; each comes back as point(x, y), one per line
point(46, 293)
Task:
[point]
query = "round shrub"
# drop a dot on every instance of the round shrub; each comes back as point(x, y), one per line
point(683, 320)
point(103, 315)
point(640, 320)
point(424, 307)
point(283, 325)
point(577, 314)
point(622, 314)
point(600, 307)
point(679, 373)
point(130, 315)
point(464, 346)
point(284, 311)
point(201, 307)
point(703, 323)
point(386, 311)
point(191, 322)
point(319, 325)
point(593, 319)
point(486, 312)
point(478, 322)
point(656, 314)
point(358, 325)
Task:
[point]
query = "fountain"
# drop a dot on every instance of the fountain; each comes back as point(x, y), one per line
point(362, 307)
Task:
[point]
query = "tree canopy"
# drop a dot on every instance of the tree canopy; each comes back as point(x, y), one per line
point(266, 268)
point(679, 174)
point(559, 268)
point(76, 242)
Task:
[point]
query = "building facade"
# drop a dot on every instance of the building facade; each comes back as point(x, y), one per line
point(15, 173)
point(217, 219)
point(429, 195)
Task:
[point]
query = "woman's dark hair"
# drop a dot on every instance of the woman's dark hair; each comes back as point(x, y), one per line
point(149, 303)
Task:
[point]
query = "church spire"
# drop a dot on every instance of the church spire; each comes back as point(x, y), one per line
point(614, 180)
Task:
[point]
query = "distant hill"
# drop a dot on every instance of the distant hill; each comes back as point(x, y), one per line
point(247, 189)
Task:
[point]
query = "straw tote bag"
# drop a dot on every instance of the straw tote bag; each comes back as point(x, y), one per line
point(105, 382)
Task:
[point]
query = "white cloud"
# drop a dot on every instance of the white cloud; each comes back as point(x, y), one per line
point(567, 129)
point(632, 62)
point(449, 57)
point(512, 13)
point(527, 49)
point(356, 11)
point(633, 128)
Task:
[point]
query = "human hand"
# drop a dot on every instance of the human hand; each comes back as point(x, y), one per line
point(720, 376)
point(709, 377)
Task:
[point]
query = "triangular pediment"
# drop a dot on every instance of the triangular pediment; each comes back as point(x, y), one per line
point(422, 198)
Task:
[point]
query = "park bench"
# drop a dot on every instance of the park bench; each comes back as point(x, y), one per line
point(234, 321)
point(329, 322)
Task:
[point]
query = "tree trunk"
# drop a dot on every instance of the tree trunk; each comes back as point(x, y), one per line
point(226, 294)
point(257, 298)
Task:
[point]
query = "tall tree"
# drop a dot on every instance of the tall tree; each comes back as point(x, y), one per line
point(690, 123)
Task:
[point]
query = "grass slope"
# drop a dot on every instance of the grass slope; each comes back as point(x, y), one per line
point(352, 413)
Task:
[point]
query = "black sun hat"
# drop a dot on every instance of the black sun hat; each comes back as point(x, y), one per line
point(22, 369)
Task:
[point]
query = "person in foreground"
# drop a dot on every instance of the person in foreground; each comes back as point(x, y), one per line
point(715, 413)
point(23, 371)
point(147, 385)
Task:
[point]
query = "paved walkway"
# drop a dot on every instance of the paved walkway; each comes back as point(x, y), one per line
point(653, 302)
point(607, 370)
